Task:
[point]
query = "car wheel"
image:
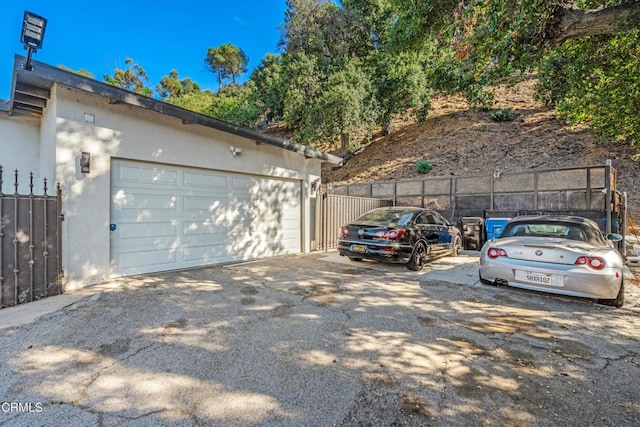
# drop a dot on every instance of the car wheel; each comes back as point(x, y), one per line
point(355, 259)
point(456, 248)
point(416, 263)
point(618, 301)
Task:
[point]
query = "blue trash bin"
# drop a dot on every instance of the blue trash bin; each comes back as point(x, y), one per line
point(494, 226)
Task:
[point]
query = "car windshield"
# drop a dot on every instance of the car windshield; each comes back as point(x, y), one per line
point(558, 230)
point(388, 217)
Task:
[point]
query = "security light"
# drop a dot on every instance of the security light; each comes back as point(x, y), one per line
point(33, 27)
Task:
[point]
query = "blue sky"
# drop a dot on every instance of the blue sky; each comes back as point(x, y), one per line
point(158, 35)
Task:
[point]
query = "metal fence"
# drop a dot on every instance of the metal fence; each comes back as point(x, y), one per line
point(334, 211)
point(30, 244)
point(587, 191)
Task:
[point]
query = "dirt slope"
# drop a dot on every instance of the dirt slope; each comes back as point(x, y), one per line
point(460, 140)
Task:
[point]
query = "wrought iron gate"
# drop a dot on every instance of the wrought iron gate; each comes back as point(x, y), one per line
point(30, 244)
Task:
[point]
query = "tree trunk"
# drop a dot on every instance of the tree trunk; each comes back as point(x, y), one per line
point(344, 143)
point(387, 125)
point(571, 23)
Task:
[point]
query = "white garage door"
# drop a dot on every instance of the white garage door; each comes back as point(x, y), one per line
point(170, 217)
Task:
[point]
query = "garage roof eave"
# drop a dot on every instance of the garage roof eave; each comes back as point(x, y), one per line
point(42, 77)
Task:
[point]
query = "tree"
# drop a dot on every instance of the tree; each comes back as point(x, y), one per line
point(493, 39)
point(401, 83)
point(510, 33)
point(133, 78)
point(234, 104)
point(319, 29)
point(200, 101)
point(595, 80)
point(226, 62)
point(171, 87)
point(301, 85)
point(267, 78)
point(346, 108)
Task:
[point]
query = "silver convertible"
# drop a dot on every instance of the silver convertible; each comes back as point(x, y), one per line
point(566, 255)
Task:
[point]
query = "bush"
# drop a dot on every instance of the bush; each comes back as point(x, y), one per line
point(423, 166)
point(502, 115)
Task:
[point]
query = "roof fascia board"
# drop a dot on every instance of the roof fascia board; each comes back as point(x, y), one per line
point(86, 84)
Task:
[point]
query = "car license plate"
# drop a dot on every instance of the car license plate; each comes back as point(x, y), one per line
point(539, 278)
point(359, 248)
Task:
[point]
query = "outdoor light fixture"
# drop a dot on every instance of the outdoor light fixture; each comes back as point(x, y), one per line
point(235, 150)
point(33, 27)
point(315, 185)
point(85, 162)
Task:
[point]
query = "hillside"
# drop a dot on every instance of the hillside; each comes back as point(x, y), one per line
point(459, 140)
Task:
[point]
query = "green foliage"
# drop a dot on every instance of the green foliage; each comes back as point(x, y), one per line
point(348, 67)
point(171, 87)
point(423, 166)
point(194, 101)
point(502, 115)
point(133, 78)
point(401, 84)
point(301, 84)
point(346, 108)
point(226, 62)
point(268, 94)
point(596, 80)
point(234, 104)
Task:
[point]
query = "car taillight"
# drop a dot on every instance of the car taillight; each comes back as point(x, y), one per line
point(344, 231)
point(496, 252)
point(390, 234)
point(593, 262)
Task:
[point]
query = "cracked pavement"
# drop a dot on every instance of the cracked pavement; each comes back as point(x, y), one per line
point(319, 340)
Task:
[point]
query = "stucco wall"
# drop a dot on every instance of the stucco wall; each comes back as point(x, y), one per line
point(19, 149)
point(127, 132)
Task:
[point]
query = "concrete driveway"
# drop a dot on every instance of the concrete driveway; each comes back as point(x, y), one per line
point(318, 340)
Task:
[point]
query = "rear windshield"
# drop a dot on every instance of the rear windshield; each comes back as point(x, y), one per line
point(558, 230)
point(390, 218)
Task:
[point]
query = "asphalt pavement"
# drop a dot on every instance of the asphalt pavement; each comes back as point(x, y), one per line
point(319, 340)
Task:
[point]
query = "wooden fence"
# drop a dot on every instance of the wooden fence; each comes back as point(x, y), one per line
point(333, 211)
point(586, 191)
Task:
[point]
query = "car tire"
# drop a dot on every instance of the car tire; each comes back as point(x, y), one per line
point(456, 248)
point(355, 259)
point(416, 263)
point(618, 301)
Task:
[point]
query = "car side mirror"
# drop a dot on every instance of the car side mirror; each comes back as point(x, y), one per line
point(614, 237)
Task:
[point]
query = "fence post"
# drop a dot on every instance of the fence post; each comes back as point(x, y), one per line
point(31, 236)
point(16, 270)
point(1, 244)
point(607, 198)
point(59, 219)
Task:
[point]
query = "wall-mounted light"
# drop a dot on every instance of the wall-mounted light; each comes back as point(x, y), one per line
point(314, 185)
point(235, 150)
point(32, 36)
point(85, 162)
point(497, 173)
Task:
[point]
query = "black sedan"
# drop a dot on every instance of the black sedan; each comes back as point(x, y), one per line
point(401, 235)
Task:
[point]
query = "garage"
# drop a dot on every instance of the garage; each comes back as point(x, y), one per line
point(166, 217)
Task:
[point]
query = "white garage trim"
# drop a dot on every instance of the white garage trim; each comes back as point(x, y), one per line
point(167, 217)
